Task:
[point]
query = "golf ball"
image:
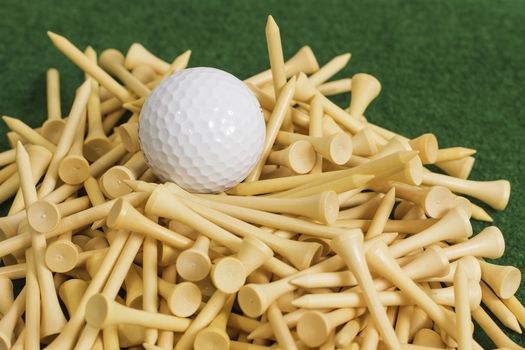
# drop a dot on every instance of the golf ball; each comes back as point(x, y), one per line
point(203, 129)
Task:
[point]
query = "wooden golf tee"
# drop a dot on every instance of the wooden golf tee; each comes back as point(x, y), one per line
point(503, 280)
point(339, 185)
point(303, 61)
point(455, 225)
point(459, 168)
point(380, 260)
point(166, 338)
point(275, 122)
point(149, 282)
point(347, 334)
point(95, 195)
point(498, 309)
point(336, 87)
point(462, 309)
point(370, 338)
point(208, 313)
point(323, 207)
point(494, 193)
point(40, 214)
point(382, 214)
point(194, 264)
point(427, 145)
point(6, 289)
point(470, 268)
point(383, 167)
point(27, 133)
point(129, 134)
point(492, 330)
point(96, 143)
point(214, 336)
point(275, 54)
point(453, 153)
point(299, 157)
point(412, 173)
point(74, 168)
point(112, 181)
point(84, 63)
point(299, 253)
point(32, 305)
point(364, 143)
point(337, 148)
point(62, 255)
point(489, 243)
point(112, 61)
point(102, 312)
point(315, 129)
point(517, 309)
point(71, 292)
point(314, 327)
point(124, 216)
point(133, 285)
point(443, 296)
point(419, 320)
point(229, 273)
point(183, 299)
point(54, 125)
point(365, 88)
point(362, 205)
point(40, 158)
point(349, 246)
point(402, 326)
point(280, 329)
point(138, 55)
point(435, 200)
point(43, 216)
point(53, 94)
point(10, 319)
point(66, 139)
point(330, 69)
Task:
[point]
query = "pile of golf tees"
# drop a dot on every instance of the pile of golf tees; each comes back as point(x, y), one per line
point(340, 238)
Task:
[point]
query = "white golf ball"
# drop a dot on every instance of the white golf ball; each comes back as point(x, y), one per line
point(203, 129)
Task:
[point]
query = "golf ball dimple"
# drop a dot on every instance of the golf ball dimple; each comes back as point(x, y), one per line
point(203, 129)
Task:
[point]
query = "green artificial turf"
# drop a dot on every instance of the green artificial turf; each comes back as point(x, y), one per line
point(454, 68)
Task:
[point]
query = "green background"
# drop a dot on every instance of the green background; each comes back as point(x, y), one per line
point(454, 68)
